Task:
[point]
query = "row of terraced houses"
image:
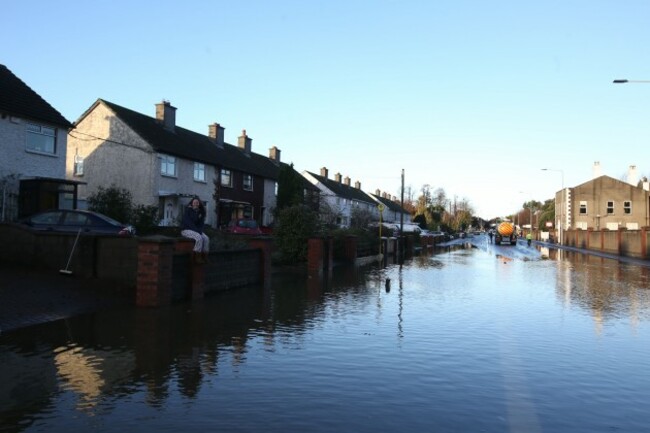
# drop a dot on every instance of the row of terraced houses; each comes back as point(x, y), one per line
point(49, 162)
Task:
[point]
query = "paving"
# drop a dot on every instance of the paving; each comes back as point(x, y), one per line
point(30, 297)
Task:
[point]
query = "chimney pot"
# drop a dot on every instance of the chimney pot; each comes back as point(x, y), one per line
point(632, 175)
point(596, 170)
point(245, 142)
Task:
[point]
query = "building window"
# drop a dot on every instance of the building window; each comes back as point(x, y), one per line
point(199, 172)
point(41, 139)
point(583, 207)
point(248, 182)
point(627, 207)
point(78, 165)
point(226, 177)
point(167, 165)
point(610, 207)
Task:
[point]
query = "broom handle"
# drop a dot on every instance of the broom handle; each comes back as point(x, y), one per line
point(73, 247)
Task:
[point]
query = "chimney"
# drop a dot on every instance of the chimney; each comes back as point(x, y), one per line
point(166, 114)
point(337, 177)
point(244, 142)
point(645, 184)
point(274, 154)
point(215, 133)
point(596, 170)
point(324, 172)
point(357, 184)
point(632, 175)
point(378, 193)
point(346, 181)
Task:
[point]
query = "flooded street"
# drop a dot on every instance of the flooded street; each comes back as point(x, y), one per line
point(489, 339)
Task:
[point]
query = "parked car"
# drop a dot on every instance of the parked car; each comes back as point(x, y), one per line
point(71, 221)
point(244, 226)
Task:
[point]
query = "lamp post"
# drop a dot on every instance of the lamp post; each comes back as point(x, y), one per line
point(630, 81)
point(559, 226)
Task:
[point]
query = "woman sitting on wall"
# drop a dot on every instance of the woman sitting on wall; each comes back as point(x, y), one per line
point(192, 227)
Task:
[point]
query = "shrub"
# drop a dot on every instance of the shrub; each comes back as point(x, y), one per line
point(145, 219)
point(294, 226)
point(114, 202)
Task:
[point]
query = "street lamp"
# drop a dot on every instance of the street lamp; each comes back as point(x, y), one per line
point(630, 81)
point(559, 226)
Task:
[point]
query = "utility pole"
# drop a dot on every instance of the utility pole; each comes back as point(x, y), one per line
point(401, 214)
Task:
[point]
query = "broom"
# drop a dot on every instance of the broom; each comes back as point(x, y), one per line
point(66, 271)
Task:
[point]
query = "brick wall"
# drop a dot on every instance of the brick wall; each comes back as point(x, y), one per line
point(139, 263)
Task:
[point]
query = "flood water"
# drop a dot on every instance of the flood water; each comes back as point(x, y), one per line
point(465, 340)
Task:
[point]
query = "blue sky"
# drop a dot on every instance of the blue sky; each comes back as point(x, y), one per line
point(470, 96)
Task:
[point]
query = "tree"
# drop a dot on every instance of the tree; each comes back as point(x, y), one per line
point(294, 226)
point(547, 213)
point(360, 218)
point(329, 215)
point(290, 187)
point(117, 203)
point(145, 218)
point(114, 202)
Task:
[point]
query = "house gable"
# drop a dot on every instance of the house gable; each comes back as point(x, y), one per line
point(18, 99)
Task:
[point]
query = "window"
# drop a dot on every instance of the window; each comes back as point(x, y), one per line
point(167, 165)
point(78, 165)
point(627, 207)
point(41, 139)
point(276, 189)
point(610, 207)
point(199, 172)
point(226, 177)
point(583, 207)
point(248, 182)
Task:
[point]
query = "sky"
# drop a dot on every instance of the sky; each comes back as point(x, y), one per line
point(472, 97)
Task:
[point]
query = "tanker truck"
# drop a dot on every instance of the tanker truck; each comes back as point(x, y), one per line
point(505, 232)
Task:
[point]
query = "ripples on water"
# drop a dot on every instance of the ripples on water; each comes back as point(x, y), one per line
point(458, 341)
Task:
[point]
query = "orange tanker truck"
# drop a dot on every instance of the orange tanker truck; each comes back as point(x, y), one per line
point(505, 232)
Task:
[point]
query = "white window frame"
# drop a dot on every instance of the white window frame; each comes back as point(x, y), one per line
point(40, 139)
point(247, 186)
point(168, 165)
point(583, 207)
point(78, 165)
point(226, 174)
point(199, 172)
point(627, 207)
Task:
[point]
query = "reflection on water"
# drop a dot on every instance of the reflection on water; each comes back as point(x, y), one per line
point(461, 340)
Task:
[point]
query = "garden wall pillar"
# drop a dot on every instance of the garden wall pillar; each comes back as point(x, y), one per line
point(350, 248)
point(154, 275)
point(264, 245)
point(320, 253)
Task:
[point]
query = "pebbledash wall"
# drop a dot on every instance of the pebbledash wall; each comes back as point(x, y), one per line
point(157, 269)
